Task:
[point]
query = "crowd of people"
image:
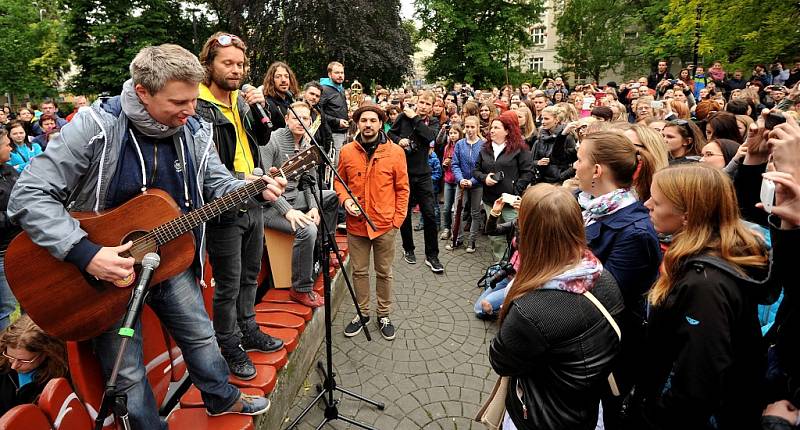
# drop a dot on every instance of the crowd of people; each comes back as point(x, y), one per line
point(670, 204)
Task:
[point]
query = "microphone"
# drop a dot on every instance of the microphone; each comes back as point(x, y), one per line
point(260, 115)
point(149, 264)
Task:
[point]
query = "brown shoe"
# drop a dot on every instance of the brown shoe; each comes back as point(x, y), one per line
point(310, 299)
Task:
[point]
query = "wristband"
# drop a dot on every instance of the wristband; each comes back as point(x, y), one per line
point(494, 214)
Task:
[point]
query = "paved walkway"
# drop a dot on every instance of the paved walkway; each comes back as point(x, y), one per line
point(435, 374)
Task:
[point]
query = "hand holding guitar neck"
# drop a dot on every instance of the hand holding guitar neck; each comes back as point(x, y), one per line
point(276, 185)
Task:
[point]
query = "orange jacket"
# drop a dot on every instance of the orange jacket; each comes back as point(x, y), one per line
point(380, 185)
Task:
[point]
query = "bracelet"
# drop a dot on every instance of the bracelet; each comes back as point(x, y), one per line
point(494, 214)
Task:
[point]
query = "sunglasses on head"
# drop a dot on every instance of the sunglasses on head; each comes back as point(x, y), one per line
point(225, 39)
point(682, 123)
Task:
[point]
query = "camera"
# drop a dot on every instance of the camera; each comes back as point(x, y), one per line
point(773, 119)
point(505, 270)
point(499, 176)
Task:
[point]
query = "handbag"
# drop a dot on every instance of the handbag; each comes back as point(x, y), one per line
point(493, 410)
point(612, 383)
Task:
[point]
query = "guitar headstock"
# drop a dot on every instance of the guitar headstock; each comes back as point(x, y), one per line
point(300, 162)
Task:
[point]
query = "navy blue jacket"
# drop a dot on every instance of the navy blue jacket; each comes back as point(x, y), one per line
point(627, 245)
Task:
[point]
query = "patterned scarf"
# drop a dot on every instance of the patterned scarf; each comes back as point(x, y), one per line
point(580, 278)
point(607, 204)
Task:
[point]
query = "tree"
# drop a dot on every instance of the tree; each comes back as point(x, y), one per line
point(474, 37)
point(368, 37)
point(105, 35)
point(591, 36)
point(740, 33)
point(31, 48)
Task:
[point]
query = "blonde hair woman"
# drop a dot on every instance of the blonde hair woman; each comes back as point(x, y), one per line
point(705, 353)
point(527, 125)
point(555, 345)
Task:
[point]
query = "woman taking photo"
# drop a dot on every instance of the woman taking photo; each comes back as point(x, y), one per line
point(554, 344)
point(22, 150)
point(684, 141)
point(611, 173)
point(503, 166)
point(705, 354)
point(30, 358)
point(554, 152)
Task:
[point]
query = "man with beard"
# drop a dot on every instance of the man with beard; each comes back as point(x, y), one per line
point(373, 162)
point(235, 238)
point(278, 82)
point(334, 104)
point(312, 92)
point(414, 130)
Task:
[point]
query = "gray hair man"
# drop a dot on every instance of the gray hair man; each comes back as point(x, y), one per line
point(147, 137)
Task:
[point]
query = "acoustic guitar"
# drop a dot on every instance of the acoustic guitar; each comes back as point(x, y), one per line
point(72, 305)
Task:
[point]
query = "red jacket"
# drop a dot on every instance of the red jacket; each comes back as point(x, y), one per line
point(380, 184)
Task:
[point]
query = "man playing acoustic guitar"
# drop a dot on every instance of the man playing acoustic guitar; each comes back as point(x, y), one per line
point(145, 138)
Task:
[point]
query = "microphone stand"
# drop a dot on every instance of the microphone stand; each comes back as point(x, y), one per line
point(112, 399)
point(326, 244)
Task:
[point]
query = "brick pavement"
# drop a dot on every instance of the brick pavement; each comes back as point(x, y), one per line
point(435, 374)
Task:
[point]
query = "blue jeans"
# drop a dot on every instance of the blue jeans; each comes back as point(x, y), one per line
point(495, 296)
point(449, 199)
point(8, 303)
point(179, 305)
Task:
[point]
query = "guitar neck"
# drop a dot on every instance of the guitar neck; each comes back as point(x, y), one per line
point(185, 223)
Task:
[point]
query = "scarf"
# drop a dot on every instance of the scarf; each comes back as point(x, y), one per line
point(607, 204)
point(578, 279)
point(135, 111)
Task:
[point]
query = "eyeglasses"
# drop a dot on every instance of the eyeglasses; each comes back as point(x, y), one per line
point(226, 39)
point(19, 360)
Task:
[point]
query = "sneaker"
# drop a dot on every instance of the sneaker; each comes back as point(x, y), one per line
point(246, 405)
point(341, 226)
point(310, 299)
point(445, 234)
point(355, 327)
point(409, 257)
point(238, 362)
point(386, 328)
point(471, 247)
point(257, 340)
point(450, 246)
point(434, 264)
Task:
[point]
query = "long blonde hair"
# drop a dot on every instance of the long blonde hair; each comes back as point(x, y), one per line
point(552, 238)
point(530, 125)
point(706, 195)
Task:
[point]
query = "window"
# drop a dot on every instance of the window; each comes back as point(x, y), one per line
point(536, 64)
point(539, 34)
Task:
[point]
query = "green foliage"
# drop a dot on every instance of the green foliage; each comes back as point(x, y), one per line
point(474, 37)
point(739, 33)
point(31, 48)
point(368, 37)
point(591, 35)
point(105, 35)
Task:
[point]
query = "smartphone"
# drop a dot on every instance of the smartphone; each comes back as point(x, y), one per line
point(767, 194)
point(657, 104)
point(773, 119)
point(509, 199)
point(636, 85)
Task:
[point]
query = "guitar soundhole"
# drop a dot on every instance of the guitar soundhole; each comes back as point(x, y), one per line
point(141, 245)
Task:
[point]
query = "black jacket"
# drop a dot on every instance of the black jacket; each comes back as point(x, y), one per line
point(334, 106)
point(323, 135)
point(705, 355)
point(225, 131)
point(8, 177)
point(517, 168)
point(277, 109)
point(559, 348)
point(747, 183)
point(561, 151)
point(655, 77)
point(785, 332)
point(421, 134)
point(11, 395)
